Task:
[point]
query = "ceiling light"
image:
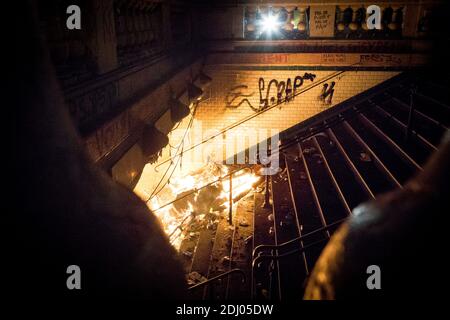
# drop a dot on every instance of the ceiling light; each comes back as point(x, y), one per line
point(269, 23)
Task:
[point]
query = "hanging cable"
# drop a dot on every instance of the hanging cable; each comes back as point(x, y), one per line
point(178, 155)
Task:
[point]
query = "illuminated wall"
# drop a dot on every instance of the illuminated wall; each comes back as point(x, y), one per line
point(233, 95)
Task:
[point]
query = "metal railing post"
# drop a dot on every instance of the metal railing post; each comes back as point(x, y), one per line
point(411, 114)
point(266, 203)
point(230, 212)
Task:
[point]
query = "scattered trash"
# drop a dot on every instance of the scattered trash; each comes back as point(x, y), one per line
point(194, 277)
point(270, 217)
point(318, 156)
point(265, 293)
point(309, 150)
point(187, 254)
point(211, 225)
point(365, 157)
point(193, 235)
point(199, 202)
point(287, 221)
point(225, 259)
point(244, 223)
point(283, 173)
point(248, 240)
point(271, 232)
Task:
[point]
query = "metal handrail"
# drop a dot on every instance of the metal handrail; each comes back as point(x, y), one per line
point(220, 276)
point(204, 186)
point(298, 250)
point(271, 246)
point(287, 254)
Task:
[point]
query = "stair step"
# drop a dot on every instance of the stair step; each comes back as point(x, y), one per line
point(333, 207)
point(351, 183)
point(201, 258)
point(423, 124)
point(373, 175)
point(220, 261)
point(292, 268)
point(261, 285)
point(430, 108)
point(241, 251)
point(308, 215)
point(417, 149)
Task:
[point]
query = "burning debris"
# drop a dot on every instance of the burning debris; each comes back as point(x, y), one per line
point(200, 199)
point(195, 278)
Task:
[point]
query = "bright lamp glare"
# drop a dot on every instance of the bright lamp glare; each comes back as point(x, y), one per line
point(269, 23)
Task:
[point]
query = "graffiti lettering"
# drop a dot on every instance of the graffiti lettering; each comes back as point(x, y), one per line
point(327, 92)
point(235, 93)
point(275, 92)
point(284, 89)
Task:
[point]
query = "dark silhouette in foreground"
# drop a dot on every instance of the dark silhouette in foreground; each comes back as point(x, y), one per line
point(68, 211)
point(402, 233)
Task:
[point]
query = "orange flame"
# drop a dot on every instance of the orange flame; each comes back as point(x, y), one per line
point(176, 217)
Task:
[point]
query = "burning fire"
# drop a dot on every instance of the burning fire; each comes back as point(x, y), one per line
point(199, 199)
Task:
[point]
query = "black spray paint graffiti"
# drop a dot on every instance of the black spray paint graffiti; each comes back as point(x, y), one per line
point(235, 93)
point(274, 93)
point(327, 92)
point(282, 89)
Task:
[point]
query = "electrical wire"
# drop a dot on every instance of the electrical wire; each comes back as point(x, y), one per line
point(177, 154)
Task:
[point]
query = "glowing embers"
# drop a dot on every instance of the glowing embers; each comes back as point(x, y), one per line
point(201, 198)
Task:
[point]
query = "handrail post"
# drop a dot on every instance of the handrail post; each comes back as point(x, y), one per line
point(411, 114)
point(230, 212)
point(266, 203)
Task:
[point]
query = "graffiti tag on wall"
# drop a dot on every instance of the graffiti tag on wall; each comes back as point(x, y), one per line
point(327, 92)
point(235, 93)
point(275, 92)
